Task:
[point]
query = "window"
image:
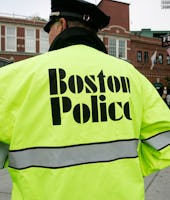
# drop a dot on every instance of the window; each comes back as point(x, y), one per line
point(112, 47)
point(44, 42)
point(139, 56)
point(160, 59)
point(10, 42)
point(146, 57)
point(121, 48)
point(118, 47)
point(168, 59)
point(30, 40)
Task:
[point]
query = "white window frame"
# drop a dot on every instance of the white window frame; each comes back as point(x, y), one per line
point(101, 37)
point(30, 40)
point(44, 41)
point(10, 36)
point(116, 48)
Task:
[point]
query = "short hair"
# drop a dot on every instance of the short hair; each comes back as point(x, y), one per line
point(76, 23)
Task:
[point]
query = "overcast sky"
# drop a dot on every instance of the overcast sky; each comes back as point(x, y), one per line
point(143, 13)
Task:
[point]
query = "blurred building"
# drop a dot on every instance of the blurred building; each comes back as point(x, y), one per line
point(151, 58)
point(23, 38)
point(141, 48)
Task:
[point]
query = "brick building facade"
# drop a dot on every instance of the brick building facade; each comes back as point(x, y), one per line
point(142, 49)
point(23, 38)
point(134, 48)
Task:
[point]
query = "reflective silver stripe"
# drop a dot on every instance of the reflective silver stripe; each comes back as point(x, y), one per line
point(59, 157)
point(159, 141)
point(3, 154)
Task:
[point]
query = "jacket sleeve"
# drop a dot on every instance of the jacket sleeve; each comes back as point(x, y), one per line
point(6, 118)
point(6, 100)
point(10, 95)
point(154, 147)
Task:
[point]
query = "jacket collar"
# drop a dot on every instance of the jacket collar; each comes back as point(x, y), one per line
point(77, 35)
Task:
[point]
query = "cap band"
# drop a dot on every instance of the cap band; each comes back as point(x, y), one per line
point(71, 15)
point(55, 13)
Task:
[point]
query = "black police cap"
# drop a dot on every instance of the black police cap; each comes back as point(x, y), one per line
point(78, 10)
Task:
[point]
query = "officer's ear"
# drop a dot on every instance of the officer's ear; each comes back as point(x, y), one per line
point(57, 28)
point(63, 23)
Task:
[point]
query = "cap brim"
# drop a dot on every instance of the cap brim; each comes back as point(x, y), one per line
point(48, 25)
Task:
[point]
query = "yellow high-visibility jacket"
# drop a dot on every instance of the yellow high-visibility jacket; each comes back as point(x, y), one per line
point(81, 125)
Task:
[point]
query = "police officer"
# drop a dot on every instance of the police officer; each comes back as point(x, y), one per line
point(80, 124)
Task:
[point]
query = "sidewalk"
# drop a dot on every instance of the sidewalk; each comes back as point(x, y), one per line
point(5, 185)
point(157, 186)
